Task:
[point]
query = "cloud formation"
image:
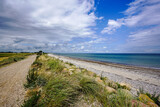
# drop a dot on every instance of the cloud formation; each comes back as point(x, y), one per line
point(139, 14)
point(36, 24)
point(112, 26)
point(144, 16)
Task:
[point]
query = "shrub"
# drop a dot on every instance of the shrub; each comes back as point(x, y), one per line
point(40, 52)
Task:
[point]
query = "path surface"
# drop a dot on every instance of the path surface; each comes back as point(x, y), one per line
point(12, 78)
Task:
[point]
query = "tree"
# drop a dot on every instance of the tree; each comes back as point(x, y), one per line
point(40, 53)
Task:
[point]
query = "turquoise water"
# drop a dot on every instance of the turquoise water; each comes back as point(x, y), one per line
point(143, 60)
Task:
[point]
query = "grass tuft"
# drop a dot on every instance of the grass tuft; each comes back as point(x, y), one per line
point(32, 101)
point(120, 99)
point(155, 97)
point(59, 92)
point(31, 78)
point(56, 65)
point(89, 86)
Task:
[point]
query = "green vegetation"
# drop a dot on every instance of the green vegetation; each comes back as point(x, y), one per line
point(60, 92)
point(155, 97)
point(54, 83)
point(31, 78)
point(55, 65)
point(32, 102)
point(7, 58)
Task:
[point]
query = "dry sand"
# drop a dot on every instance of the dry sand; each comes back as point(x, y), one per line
point(12, 78)
point(137, 77)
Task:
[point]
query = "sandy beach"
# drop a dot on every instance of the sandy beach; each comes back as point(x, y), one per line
point(137, 77)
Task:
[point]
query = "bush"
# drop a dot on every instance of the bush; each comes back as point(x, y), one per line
point(40, 53)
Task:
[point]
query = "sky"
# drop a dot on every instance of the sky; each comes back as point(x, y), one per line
point(80, 26)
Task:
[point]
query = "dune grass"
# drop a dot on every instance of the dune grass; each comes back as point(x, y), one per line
point(59, 86)
point(55, 65)
point(60, 92)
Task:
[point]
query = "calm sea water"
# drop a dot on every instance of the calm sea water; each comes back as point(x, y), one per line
point(144, 60)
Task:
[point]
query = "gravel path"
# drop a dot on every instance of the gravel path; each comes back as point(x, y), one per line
point(147, 79)
point(12, 78)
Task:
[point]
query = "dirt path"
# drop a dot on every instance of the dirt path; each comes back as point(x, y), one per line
point(12, 78)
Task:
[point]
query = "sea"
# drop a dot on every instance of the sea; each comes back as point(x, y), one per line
point(142, 60)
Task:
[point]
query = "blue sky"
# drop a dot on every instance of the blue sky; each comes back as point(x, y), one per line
point(80, 26)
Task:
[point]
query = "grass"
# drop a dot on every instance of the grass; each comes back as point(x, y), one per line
point(155, 97)
point(69, 63)
point(31, 78)
point(63, 86)
point(7, 58)
point(90, 86)
point(14, 54)
point(2, 58)
point(55, 65)
point(120, 99)
point(59, 92)
point(32, 102)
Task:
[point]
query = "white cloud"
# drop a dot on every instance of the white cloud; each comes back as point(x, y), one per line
point(104, 47)
point(140, 13)
point(147, 37)
point(100, 18)
point(93, 45)
point(112, 26)
point(144, 17)
point(46, 21)
point(99, 40)
point(82, 47)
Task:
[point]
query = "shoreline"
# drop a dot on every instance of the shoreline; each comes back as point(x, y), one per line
point(114, 64)
point(120, 65)
point(137, 77)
